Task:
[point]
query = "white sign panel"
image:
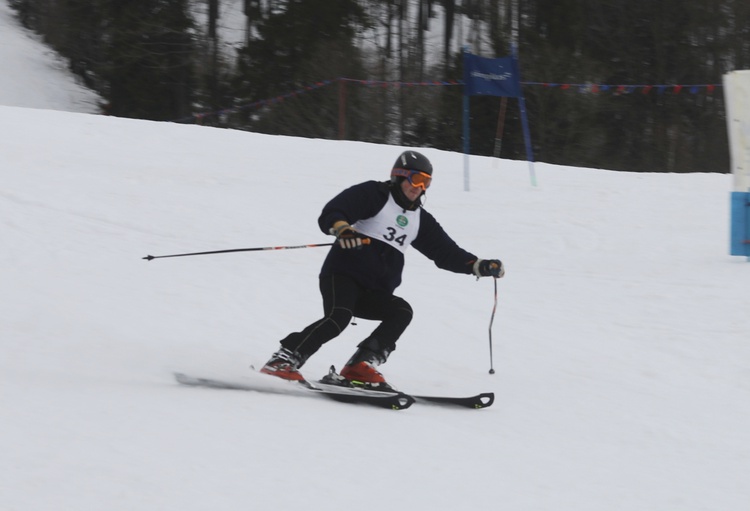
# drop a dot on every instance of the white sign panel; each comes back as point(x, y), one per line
point(737, 97)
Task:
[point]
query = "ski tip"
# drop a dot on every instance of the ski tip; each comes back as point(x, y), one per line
point(403, 402)
point(485, 400)
point(477, 402)
point(148, 257)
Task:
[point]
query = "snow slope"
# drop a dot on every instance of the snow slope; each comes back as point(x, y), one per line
point(621, 335)
point(34, 76)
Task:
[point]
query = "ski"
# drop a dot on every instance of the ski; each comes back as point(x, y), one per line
point(390, 400)
point(482, 400)
point(336, 381)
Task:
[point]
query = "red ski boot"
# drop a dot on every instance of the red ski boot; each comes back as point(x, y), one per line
point(283, 364)
point(362, 372)
point(364, 375)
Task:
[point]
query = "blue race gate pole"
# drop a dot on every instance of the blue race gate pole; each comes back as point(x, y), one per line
point(524, 121)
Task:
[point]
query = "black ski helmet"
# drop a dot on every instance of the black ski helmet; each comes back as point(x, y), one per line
point(411, 160)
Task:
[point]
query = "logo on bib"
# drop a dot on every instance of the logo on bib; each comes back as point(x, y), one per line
point(402, 221)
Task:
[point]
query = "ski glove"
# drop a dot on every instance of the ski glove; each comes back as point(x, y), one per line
point(347, 237)
point(489, 268)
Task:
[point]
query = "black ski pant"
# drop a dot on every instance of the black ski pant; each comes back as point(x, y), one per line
point(344, 298)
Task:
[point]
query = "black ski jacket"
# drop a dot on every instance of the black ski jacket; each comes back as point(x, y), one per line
point(378, 265)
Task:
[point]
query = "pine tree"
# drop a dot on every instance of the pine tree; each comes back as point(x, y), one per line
point(149, 68)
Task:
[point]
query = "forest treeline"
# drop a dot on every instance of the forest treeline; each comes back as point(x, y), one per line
point(165, 60)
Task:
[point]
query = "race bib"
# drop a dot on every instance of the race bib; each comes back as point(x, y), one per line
point(392, 225)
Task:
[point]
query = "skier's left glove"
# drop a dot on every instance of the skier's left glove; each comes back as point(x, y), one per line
point(489, 268)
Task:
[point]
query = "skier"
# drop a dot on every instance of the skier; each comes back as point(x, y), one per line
point(374, 223)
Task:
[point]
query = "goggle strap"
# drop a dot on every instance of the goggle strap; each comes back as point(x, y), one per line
point(398, 171)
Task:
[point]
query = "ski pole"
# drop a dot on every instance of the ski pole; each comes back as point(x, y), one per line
point(255, 249)
point(150, 257)
point(492, 319)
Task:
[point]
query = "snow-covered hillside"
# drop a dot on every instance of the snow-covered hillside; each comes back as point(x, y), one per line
point(33, 76)
point(620, 341)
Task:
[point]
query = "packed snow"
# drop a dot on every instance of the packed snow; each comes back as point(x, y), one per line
point(621, 338)
point(34, 76)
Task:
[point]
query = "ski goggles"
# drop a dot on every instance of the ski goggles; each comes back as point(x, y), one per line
point(416, 178)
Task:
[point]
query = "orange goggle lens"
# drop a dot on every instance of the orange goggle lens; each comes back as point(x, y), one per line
point(416, 179)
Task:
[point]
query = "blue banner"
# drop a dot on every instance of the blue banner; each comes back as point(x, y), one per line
point(491, 77)
point(740, 224)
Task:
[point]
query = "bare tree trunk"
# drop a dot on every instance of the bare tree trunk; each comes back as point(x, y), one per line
point(450, 13)
point(402, 39)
